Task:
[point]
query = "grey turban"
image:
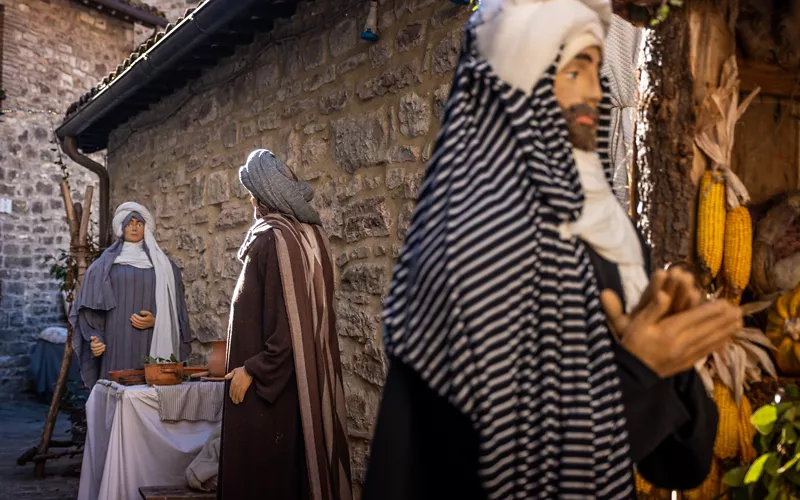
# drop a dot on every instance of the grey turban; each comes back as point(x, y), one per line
point(273, 184)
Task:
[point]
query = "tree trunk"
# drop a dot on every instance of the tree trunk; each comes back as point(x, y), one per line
point(664, 142)
point(684, 57)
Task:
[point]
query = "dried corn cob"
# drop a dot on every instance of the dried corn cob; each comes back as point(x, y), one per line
point(711, 222)
point(643, 488)
point(710, 489)
point(746, 432)
point(726, 445)
point(738, 252)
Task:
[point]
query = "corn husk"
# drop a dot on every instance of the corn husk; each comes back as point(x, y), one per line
point(739, 363)
point(716, 125)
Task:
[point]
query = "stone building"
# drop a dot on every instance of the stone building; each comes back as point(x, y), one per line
point(356, 119)
point(51, 50)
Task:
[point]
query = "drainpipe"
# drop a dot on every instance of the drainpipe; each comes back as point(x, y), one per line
point(70, 146)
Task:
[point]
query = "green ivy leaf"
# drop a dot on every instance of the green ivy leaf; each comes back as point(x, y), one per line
point(764, 419)
point(756, 470)
point(789, 464)
point(735, 477)
point(791, 414)
point(790, 436)
point(772, 465)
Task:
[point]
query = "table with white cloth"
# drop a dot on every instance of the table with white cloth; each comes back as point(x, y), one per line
point(128, 445)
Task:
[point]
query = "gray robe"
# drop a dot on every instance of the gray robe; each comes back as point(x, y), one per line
point(110, 294)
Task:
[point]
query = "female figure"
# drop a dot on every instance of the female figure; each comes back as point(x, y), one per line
point(131, 304)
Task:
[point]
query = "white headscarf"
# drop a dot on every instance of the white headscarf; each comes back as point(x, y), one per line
point(605, 226)
point(520, 39)
point(166, 334)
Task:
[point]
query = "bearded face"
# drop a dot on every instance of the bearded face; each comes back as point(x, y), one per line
point(578, 92)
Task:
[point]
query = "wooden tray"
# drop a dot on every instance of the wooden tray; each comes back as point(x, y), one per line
point(128, 380)
point(117, 374)
point(212, 379)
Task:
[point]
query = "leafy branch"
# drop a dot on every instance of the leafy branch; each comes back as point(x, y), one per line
point(775, 474)
point(663, 11)
point(160, 361)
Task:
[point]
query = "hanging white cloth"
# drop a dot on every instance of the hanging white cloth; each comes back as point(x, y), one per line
point(166, 334)
point(133, 255)
point(605, 226)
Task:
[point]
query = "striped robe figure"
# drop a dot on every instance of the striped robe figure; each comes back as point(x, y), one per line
point(505, 381)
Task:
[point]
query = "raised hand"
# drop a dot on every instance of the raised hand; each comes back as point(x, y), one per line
point(671, 343)
point(143, 320)
point(97, 347)
point(240, 382)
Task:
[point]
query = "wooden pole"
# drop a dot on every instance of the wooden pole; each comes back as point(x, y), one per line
point(78, 224)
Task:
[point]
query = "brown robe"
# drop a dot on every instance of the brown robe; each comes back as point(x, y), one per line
point(288, 438)
point(262, 452)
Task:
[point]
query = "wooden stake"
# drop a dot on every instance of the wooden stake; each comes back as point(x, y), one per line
point(78, 229)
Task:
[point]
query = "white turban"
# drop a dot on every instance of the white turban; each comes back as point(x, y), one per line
point(520, 39)
point(166, 334)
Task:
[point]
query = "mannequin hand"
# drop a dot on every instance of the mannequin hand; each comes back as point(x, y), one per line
point(143, 320)
point(240, 383)
point(679, 287)
point(97, 347)
point(671, 344)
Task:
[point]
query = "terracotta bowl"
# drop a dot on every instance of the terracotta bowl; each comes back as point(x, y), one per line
point(216, 361)
point(163, 373)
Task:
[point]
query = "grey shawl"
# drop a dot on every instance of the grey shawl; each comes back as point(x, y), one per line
point(273, 184)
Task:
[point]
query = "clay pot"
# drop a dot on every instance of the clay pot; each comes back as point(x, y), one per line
point(163, 373)
point(216, 361)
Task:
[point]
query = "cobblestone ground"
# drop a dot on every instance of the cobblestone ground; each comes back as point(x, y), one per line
point(21, 425)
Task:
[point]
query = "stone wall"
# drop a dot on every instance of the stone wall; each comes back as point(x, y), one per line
point(355, 119)
point(53, 51)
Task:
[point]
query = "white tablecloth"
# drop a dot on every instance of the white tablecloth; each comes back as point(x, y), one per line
point(128, 446)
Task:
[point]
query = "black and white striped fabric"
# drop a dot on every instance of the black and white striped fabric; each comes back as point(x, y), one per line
point(499, 314)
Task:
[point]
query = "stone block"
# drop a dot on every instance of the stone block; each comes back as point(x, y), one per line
point(207, 327)
point(360, 142)
point(410, 37)
point(414, 115)
point(343, 37)
point(445, 56)
point(404, 220)
point(314, 53)
point(351, 63)
point(197, 191)
point(335, 101)
point(404, 154)
point(364, 278)
point(314, 82)
point(413, 183)
point(380, 53)
point(291, 59)
point(391, 81)
point(217, 188)
point(268, 121)
point(355, 322)
point(369, 218)
point(187, 240)
point(233, 217)
point(196, 297)
point(230, 134)
point(440, 97)
point(394, 178)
